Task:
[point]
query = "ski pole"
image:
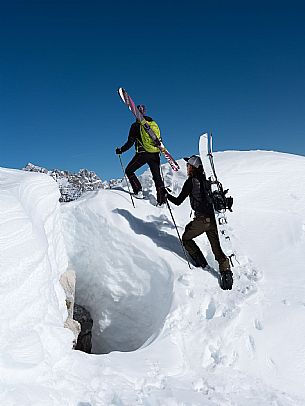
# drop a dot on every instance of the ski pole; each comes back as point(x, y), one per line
point(171, 213)
point(123, 169)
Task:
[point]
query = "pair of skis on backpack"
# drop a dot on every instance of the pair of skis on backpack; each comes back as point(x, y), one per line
point(139, 116)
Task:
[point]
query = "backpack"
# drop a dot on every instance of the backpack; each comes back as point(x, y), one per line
point(217, 197)
point(146, 141)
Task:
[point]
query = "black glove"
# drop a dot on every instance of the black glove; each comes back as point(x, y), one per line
point(226, 280)
point(118, 151)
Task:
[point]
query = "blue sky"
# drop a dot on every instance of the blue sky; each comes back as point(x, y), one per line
point(234, 68)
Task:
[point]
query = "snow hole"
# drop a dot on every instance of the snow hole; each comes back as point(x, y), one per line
point(126, 290)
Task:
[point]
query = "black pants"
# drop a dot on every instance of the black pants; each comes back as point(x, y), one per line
point(140, 159)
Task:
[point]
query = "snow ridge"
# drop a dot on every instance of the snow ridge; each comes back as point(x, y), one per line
point(32, 259)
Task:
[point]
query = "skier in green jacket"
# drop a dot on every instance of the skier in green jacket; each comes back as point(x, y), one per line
point(146, 153)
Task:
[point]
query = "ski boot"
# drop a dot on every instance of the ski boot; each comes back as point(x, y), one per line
point(226, 279)
point(161, 195)
point(139, 195)
point(199, 259)
point(226, 275)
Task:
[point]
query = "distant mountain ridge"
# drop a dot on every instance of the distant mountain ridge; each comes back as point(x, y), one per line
point(73, 185)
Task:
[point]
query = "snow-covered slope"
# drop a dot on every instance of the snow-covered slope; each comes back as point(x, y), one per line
point(270, 219)
point(190, 343)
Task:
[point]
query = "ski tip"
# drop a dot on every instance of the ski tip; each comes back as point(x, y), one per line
point(122, 93)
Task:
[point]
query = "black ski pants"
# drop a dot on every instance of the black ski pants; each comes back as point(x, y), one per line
point(140, 159)
point(198, 226)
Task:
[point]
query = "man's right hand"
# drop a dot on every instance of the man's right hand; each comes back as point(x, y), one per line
point(118, 151)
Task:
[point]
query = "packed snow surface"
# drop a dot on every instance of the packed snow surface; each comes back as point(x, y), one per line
point(163, 334)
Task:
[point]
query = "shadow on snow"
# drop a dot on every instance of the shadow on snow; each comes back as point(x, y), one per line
point(160, 238)
point(152, 231)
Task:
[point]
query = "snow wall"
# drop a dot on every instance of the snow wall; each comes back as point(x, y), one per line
point(32, 258)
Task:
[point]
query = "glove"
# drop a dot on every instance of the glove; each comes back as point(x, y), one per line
point(118, 151)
